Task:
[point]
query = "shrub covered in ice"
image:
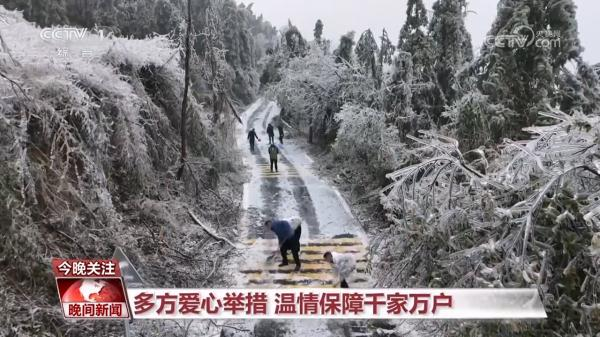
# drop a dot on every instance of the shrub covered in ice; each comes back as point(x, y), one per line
point(89, 140)
point(528, 218)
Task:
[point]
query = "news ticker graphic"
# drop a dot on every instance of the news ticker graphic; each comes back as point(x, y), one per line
point(91, 289)
point(311, 303)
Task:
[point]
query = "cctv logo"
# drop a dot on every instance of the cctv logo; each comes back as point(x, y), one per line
point(63, 33)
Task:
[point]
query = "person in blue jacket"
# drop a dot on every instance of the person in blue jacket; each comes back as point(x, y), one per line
point(288, 234)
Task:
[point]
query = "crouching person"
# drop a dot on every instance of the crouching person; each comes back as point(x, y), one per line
point(288, 235)
point(343, 264)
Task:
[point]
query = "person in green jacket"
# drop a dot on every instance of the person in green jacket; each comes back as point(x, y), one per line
point(273, 153)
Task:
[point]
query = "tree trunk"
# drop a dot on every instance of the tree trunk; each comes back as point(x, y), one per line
point(184, 105)
point(310, 131)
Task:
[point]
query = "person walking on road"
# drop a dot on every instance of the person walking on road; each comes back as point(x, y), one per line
point(271, 134)
point(288, 234)
point(251, 137)
point(343, 264)
point(280, 129)
point(273, 153)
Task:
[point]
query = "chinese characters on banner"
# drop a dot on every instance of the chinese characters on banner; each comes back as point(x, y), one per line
point(255, 304)
point(90, 288)
point(335, 303)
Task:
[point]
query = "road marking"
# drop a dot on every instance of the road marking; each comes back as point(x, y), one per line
point(309, 158)
point(314, 272)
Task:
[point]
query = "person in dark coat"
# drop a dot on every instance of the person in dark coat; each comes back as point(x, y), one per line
point(271, 134)
point(273, 153)
point(251, 137)
point(288, 234)
point(280, 128)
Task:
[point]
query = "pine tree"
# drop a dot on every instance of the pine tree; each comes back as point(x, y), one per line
point(294, 41)
point(387, 49)
point(366, 52)
point(523, 79)
point(579, 91)
point(167, 17)
point(451, 41)
point(318, 31)
point(427, 97)
point(386, 55)
point(414, 40)
point(398, 102)
point(344, 51)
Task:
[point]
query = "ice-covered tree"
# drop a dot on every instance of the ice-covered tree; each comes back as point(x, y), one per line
point(318, 31)
point(579, 91)
point(451, 41)
point(398, 97)
point(294, 41)
point(45, 13)
point(387, 49)
point(427, 97)
point(320, 42)
point(386, 55)
point(522, 76)
point(414, 40)
point(525, 217)
point(366, 52)
point(344, 51)
point(364, 139)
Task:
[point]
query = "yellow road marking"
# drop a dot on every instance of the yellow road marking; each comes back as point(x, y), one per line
point(314, 271)
point(332, 242)
point(325, 267)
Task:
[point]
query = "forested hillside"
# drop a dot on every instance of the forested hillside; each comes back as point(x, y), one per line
point(467, 166)
point(90, 145)
point(479, 170)
point(223, 31)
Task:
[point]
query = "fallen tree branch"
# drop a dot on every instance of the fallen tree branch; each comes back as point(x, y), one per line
point(14, 84)
point(233, 110)
point(7, 50)
point(209, 231)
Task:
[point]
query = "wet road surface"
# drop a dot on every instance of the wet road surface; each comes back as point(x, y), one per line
point(294, 191)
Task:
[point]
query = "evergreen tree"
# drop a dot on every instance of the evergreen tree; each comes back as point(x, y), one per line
point(387, 49)
point(44, 13)
point(294, 41)
point(579, 91)
point(523, 79)
point(167, 17)
point(398, 103)
point(366, 52)
point(386, 55)
point(344, 52)
point(428, 100)
point(321, 42)
point(414, 40)
point(451, 41)
point(318, 31)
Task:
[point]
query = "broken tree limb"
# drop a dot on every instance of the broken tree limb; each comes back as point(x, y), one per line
point(7, 50)
point(233, 110)
point(209, 231)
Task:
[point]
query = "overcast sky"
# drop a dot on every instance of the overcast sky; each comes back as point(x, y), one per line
point(341, 16)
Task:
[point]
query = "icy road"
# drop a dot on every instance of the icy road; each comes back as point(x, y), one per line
point(294, 191)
